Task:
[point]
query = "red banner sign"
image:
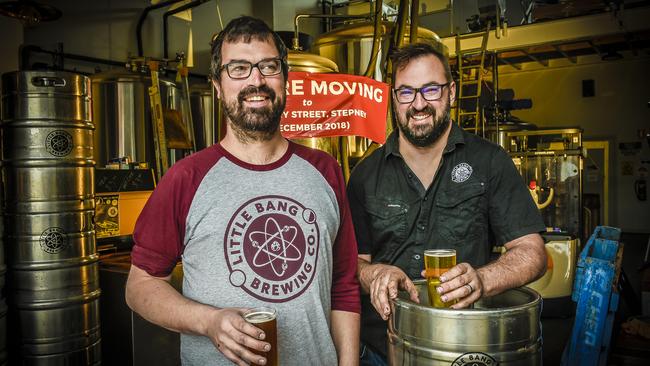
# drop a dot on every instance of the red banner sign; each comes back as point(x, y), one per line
point(327, 105)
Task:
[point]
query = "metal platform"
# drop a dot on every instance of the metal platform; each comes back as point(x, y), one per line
point(567, 38)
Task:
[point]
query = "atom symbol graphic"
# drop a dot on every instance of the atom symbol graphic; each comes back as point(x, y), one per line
point(53, 240)
point(59, 143)
point(275, 246)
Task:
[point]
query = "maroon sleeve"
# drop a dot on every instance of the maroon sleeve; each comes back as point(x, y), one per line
point(159, 233)
point(345, 286)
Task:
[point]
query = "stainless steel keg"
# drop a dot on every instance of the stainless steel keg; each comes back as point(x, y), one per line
point(3, 332)
point(48, 169)
point(3, 303)
point(503, 329)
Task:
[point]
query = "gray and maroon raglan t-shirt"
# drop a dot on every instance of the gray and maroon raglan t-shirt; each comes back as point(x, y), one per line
point(250, 235)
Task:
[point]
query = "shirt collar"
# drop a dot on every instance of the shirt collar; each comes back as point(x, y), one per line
point(455, 138)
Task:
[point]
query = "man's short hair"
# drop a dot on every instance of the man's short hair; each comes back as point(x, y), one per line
point(245, 29)
point(409, 52)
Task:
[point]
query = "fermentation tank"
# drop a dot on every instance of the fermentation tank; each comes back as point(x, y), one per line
point(122, 116)
point(350, 47)
point(204, 114)
point(307, 62)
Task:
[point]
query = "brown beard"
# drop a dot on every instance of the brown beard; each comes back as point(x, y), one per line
point(255, 124)
point(424, 136)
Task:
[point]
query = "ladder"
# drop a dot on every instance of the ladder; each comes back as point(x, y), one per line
point(470, 72)
point(158, 123)
point(173, 130)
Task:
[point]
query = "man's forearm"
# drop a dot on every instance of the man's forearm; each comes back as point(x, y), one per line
point(365, 278)
point(345, 333)
point(156, 300)
point(523, 262)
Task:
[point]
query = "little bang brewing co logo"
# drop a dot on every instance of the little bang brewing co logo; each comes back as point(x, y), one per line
point(475, 359)
point(271, 248)
point(461, 173)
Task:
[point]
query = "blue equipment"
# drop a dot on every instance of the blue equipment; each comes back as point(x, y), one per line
point(594, 291)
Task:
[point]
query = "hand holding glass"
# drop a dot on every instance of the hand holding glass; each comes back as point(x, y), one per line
point(437, 262)
point(265, 319)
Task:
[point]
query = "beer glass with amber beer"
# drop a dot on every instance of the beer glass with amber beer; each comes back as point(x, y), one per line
point(437, 262)
point(265, 319)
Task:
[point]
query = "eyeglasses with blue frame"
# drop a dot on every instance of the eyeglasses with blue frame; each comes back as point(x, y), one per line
point(430, 93)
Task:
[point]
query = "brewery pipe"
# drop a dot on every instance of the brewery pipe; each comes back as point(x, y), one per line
point(143, 16)
point(415, 4)
point(295, 45)
point(27, 50)
point(400, 26)
point(376, 39)
point(374, 53)
point(187, 6)
point(397, 42)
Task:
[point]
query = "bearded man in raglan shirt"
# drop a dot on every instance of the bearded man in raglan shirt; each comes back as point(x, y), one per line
point(256, 220)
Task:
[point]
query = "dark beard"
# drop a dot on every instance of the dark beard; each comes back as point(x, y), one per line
point(255, 124)
point(421, 137)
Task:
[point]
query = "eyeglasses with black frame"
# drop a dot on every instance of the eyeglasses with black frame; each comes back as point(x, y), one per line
point(430, 93)
point(238, 70)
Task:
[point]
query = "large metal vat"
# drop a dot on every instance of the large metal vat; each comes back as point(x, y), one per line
point(350, 46)
point(307, 62)
point(48, 169)
point(503, 329)
point(122, 115)
point(204, 114)
point(3, 303)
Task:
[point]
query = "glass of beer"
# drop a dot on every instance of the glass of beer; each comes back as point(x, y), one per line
point(437, 262)
point(265, 319)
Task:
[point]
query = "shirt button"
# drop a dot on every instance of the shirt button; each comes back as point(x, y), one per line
point(417, 256)
point(421, 227)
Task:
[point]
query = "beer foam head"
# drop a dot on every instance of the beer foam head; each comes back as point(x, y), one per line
point(440, 252)
point(259, 316)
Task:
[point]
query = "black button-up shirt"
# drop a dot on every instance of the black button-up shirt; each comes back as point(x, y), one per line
point(477, 199)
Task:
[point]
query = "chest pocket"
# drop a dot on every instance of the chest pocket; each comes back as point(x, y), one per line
point(462, 213)
point(387, 219)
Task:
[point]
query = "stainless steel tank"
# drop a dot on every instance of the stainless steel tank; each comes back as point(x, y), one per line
point(350, 48)
point(204, 115)
point(307, 62)
point(48, 169)
point(3, 302)
point(499, 134)
point(503, 329)
point(122, 115)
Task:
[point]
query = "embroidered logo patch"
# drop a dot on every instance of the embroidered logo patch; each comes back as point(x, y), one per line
point(461, 172)
point(272, 247)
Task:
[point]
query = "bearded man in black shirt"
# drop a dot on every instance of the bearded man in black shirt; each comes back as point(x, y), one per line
point(435, 186)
